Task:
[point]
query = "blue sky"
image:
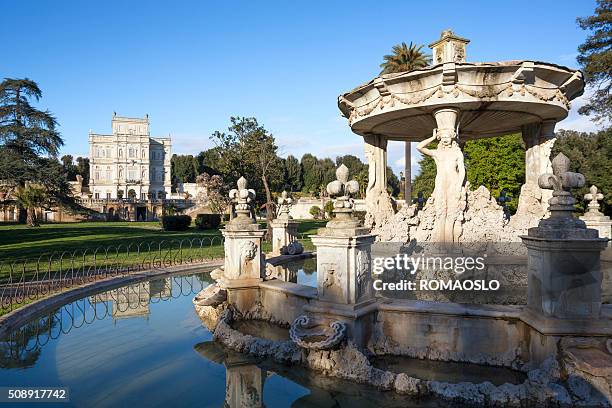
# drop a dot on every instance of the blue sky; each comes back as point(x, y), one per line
point(192, 65)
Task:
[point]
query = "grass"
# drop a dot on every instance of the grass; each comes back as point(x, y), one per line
point(36, 251)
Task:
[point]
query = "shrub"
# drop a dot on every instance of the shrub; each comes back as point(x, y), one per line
point(329, 208)
point(208, 221)
point(316, 212)
point(175, 222)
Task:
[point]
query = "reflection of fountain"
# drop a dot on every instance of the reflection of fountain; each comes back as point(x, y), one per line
point(244, 380)
point(134, 300)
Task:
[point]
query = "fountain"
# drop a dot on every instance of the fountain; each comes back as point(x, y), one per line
point(559, 342)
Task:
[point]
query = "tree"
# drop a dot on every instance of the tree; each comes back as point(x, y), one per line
point(70, 169)
point(209, 161)
point(312, 173)
point(29, 143)
point(404, 58)
point(591, 155)
point(596, 60)
point(293, 173)
point(214, 192)
point(393, 183)
point(184, 168)
point(497, 163)
point(424, 181)
point(249, 149)
point(31, 197)
point(83, 169)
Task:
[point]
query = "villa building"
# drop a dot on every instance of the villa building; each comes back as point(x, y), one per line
point(129, 163)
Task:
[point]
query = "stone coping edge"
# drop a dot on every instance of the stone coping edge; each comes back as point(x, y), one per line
point(289, 287)
point(455, 309)
point(21, 315)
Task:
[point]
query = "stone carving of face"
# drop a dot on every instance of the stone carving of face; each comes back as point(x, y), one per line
point(446, 137)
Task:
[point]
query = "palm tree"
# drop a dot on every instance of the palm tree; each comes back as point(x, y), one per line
point(405, 58)
point(31, 197)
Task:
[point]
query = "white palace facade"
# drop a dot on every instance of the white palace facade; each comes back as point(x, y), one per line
point(129, 163)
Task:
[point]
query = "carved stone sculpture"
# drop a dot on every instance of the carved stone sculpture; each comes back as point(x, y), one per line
point(450, 177)
point(594, 218)
point(310, 334)
point(343, 190)
point(242, 197)
point(284, 205)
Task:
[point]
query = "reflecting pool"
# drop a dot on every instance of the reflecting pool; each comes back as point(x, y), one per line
point(143, 345)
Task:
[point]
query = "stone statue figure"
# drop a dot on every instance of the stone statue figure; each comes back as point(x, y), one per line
point(449, 183)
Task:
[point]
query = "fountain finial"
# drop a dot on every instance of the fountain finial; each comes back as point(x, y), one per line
point(561, 181)
point(593, 197)
point(242, 199)
point(343, 190)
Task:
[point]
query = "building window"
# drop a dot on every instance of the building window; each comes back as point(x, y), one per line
point(108, 196)
point(120, 152)
point(97, 175)
point(143, 196)
point(108, 153)
point(97, 196)
point(131, 152)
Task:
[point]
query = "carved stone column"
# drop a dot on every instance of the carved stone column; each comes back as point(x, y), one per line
point(379, 204)
point(539, 139)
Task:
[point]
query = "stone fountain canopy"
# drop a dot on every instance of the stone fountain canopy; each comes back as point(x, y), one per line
point(493, 98)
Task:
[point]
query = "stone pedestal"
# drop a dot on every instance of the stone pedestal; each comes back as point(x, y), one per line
point(564, 272)
point(344, 280)
point(284, 232)
point(243, 260)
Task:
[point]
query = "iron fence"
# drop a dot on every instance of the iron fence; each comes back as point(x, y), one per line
point(26, 280)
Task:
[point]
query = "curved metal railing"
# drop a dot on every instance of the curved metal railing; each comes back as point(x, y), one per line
point(25, 280)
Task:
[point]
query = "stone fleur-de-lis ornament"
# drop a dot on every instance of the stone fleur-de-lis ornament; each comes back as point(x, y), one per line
point(593, 196)
point(561, 224)
point(343, 191)
point(242, 199)
point(561, 181)
point(284, 205)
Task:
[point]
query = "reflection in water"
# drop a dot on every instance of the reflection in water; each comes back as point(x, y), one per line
point(247, 380)
point(302, 271)
point(108, 360)
point(22, 347)
point(448, 371)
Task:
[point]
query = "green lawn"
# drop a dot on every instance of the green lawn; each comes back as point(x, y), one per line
point(36, 251)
